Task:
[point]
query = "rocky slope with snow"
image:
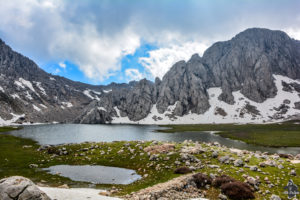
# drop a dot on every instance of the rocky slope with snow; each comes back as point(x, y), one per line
point(30, 95)
point(250, 78)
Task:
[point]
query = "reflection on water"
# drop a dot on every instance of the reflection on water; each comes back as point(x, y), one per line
point(95, 174)
point(77, 133)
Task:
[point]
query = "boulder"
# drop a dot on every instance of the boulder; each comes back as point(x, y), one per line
point(20, 188)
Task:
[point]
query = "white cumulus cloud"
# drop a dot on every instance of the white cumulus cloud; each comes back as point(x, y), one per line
point(133, 74)
point(62, 65)
point(161, 60)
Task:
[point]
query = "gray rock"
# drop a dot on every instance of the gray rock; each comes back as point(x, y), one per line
point(253, 168)
point(275, 197)
point(215, 154)
point(224, 159)
point(17, 187)
point(293, 172)
point(222, 197)
point(238, 163)
point(280, 166)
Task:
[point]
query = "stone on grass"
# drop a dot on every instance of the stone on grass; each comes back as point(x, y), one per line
point(238, 163)
point(224, 159)
point(275, 197)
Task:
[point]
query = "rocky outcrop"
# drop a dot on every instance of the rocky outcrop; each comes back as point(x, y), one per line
point(20, 188)
point(246, 63)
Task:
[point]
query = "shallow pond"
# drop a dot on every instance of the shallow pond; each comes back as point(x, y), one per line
point(95, 174)
point(77, 133)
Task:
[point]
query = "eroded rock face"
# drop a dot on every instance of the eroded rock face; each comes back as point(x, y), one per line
point(20, 188)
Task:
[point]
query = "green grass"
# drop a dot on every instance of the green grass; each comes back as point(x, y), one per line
point(275, 135)
point(16, 154)
point(8, 128)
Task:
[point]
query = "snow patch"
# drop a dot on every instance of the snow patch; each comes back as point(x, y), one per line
point(39, 85)
point(266, 109)
point(1, 89)
point(36, 108)
point(75, 194)
point(19, 84)
point(87, 93)
point(107, 91)
point(99, 93)
point(42, 105)
point(102, 108)
point(11, 121)
point(52, 79)
point(27, 84)
point(28, 96)
point(67, 104)
point(15, 96)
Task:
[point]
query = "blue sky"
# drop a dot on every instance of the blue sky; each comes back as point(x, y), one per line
point(105, 41)
point(131, 61)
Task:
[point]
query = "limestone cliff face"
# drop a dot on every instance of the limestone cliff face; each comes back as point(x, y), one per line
point(246, 63)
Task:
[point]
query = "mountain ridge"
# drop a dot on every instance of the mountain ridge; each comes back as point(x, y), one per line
point(248, 63)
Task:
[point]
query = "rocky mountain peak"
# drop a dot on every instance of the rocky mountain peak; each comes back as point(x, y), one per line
point(248, 66)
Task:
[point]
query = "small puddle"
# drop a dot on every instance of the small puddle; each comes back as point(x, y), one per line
point(95, 174)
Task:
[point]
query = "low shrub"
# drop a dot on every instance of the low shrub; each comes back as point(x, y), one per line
point(201, 180)
point(52, 150)
point(182, 170)
point(237, 190)
point(220, 180)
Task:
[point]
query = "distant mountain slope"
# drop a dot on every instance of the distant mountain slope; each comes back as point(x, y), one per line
point(250, 78)
point(29, 94)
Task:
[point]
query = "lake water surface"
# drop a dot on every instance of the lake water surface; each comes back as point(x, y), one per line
point(95, 174)
point(77, 133)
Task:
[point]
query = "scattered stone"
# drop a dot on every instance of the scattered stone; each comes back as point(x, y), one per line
point(293, 172)
point(215, 154)
point(280, 166)
point(153, 157)
point(238, 163)
point(64, 186)
point(33, 166)
point(104, 193)
point(253, 168)
point(275, 197)
point(252, 181)
point(120, 151)
point(222, 197)
point(213, 166)
point(145, 175)
point(178, 188)
point(224, 159)
point(197, 149)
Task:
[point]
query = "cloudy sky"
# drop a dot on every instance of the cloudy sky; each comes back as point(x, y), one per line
point(99, 41)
